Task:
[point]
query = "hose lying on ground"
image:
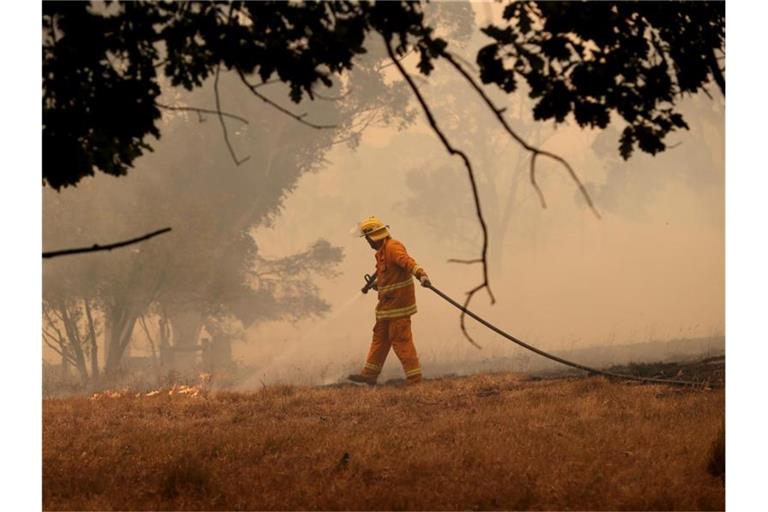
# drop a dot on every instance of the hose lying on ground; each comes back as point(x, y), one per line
point(565, 361)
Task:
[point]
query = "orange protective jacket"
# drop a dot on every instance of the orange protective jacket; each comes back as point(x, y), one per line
point(394, 280)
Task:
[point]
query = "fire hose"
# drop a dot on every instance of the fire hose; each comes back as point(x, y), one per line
point(560, 359)
point(370, 283)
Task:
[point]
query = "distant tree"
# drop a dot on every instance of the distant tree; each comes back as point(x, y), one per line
point(629, 185)
point(209, 269)
point(204, 272)
point(70, 330)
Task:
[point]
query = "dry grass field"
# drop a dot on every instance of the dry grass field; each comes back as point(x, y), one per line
point(484, 442)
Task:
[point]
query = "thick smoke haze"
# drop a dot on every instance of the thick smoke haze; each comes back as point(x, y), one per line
point(651, 269)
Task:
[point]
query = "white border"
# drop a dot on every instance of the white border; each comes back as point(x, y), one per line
point(21, 372)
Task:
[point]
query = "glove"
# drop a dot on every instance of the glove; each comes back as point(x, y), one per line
point(425, 282)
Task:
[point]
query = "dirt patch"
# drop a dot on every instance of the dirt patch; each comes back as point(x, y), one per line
point(709, 371)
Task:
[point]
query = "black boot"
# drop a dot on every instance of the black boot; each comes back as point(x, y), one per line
point(363, 379)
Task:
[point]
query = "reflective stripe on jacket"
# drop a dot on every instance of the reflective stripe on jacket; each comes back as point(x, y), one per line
point(394, 279)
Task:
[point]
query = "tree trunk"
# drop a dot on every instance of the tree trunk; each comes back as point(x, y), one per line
point(148, 335)
point(94, 344)
point(166, 353)
point(120, 322)
point(70, 326)
point(186, 326)
point(221, 353)
point(64, 367)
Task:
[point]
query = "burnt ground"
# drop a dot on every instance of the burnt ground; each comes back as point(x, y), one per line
point(709, 372)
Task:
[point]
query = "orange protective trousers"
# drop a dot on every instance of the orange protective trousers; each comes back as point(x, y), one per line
point(395, 333)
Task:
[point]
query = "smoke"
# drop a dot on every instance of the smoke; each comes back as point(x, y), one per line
point(651, 269)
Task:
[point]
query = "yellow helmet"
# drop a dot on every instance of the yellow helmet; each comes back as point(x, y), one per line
point(373, 228)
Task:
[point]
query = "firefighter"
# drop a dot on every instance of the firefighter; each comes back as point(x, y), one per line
point(395, 270)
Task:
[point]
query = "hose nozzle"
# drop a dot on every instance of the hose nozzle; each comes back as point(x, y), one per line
point(370, 282)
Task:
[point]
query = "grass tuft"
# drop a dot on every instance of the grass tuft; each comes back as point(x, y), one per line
point(184, 476)
point(716, 464)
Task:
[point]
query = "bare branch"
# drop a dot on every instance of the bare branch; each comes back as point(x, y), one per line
point(221, 119)
point(464, 61)
point(144, 327)
point(108, 247)
point(70, 326)
point(468, 262)
point(52, 346)
point(332, 98)
point(358, 128)
point(49, 339)
point(58, 315)
point(418, 78)
point(51, 322)
point(533, 181)
point(92, 336)
point(64, 355)
point(297, 117)
point(267, 82)
point(201, 111)
point(499, 113)
point(717, 72)
point(402, 57)
point(452, 151)
point(343, 139)
point(463, 317)
point(48, 336)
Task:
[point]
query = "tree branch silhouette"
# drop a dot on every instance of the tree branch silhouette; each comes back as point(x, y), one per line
point(357, 128)
point(108, 247)
point(63, 354)
point(717, 73)
point(332, 98)
point(221, 119)
point(499, 113)
point(535, 153)
point(402, 57)
point(218, 100)
point(58, 339)
point(201, 111)
point(478, 209)
point(298, 117)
